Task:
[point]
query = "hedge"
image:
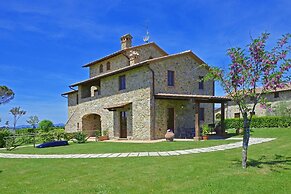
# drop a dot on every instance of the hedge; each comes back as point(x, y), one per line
point(259, 122)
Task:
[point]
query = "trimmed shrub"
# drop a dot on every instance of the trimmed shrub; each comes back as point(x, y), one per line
point(259, 122)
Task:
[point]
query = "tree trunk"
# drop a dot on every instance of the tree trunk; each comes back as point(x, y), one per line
point(245, 140)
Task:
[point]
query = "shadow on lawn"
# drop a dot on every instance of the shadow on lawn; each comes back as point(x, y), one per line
point(275, 163)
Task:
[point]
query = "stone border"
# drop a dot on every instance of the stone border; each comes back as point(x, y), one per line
point(252, 141)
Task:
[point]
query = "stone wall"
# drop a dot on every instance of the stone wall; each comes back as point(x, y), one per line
point(184, 115)
point(187, 72)
point(284, 96)
point(145, 52)
point(137, 92)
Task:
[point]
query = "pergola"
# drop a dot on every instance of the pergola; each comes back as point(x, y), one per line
point(197, 99)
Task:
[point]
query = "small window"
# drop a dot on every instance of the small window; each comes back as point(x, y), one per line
point(171, 77)
point(108, 66)
point(122, 82)
point(78, 126)
point(276, 94)
point(201, 114)
point(201, 83)
point(101, 68)
point(237, 115)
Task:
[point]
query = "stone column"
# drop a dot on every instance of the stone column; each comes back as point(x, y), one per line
point(197, 126)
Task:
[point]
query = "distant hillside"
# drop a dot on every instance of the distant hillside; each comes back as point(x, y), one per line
point(29, 126)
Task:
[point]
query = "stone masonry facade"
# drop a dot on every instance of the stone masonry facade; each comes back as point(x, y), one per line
point(98, 103)
point(273, 98)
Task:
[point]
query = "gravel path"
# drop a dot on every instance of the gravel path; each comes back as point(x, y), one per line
point(253, 141)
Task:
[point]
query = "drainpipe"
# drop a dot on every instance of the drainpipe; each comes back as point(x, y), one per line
point(154, 104)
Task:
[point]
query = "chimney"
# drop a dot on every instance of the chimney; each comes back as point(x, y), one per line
point(125, 41)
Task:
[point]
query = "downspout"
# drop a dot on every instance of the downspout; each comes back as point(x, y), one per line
point(154, 104)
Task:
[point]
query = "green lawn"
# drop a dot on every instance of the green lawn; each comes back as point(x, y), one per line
point(214, 172)
point(115, 147)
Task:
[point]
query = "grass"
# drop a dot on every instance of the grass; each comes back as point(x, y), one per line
point(269, 171)
point(115, 147)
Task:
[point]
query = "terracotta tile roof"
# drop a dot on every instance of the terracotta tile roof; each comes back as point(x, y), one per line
point(120, 70)
point(114, 107)
point(70, 92)
point(122, 51)
point(285, 88)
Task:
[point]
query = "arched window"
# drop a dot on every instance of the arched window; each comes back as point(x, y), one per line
point(101, 68)
point(108, 65)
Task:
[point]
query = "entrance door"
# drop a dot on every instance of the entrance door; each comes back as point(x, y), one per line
point(123, 124)
point(170, 119)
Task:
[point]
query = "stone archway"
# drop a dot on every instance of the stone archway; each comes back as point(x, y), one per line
point(91, 123)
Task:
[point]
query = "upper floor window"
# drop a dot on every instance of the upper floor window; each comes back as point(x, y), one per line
point(108, 65)
point(122, 82)
point(101, 68)
point(201, 83)
point(171, 77)
point(276, 94)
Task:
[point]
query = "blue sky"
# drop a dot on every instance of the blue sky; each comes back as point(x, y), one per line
point(43, 44)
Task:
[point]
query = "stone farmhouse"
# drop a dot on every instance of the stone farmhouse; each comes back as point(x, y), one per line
point(141, 91)
point(273, 97)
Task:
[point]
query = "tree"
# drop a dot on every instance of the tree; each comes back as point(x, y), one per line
point(252, 68)
point(6, 94)
point(46, 125)
point(17, 113)
point(33, 121)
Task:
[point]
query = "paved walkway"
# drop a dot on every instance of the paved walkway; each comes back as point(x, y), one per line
point(253, 141)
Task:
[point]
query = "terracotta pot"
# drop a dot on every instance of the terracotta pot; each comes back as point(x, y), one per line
point(102, 138)
point(169, 136)
point(205, 137)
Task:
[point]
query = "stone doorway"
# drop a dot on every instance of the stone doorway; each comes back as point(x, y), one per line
point(90, 124)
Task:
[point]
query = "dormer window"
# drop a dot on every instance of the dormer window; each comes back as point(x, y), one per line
point(101, 68)
point(108, 66)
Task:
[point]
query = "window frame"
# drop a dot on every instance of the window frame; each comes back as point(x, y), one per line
point(101, 68)
point(201, 114)
point(108, 66)
point(122, 82)
point(276, 94)
point(201, 83)
point(171, 78)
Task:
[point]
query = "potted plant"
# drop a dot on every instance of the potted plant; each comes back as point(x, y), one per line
point(104, 136)
point(205, 131)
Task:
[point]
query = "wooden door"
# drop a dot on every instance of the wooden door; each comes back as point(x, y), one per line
point(123, 124)
point(171, 119)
